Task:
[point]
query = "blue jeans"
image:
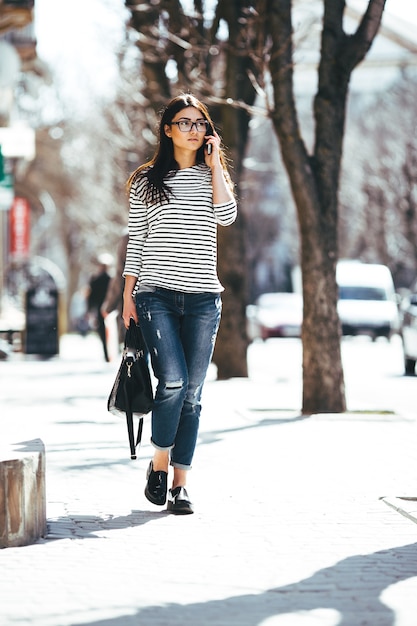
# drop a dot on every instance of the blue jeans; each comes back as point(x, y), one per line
point(180, 331)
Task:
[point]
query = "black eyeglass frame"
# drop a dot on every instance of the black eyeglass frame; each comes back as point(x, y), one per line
point(190, 123)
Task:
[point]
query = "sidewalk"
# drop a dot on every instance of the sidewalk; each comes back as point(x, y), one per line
point(290, 529)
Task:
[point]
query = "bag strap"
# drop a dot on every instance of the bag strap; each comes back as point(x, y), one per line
point(133, 339)
point(130, 428)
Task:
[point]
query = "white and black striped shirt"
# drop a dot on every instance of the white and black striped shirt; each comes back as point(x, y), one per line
point(173, 244)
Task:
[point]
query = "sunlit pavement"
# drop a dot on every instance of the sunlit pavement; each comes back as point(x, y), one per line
point(289, 529)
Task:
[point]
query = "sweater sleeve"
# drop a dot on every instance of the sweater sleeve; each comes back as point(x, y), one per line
point(138, 228)
point(225, 213)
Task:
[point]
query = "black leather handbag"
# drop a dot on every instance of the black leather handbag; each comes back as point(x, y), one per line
point(132, 393)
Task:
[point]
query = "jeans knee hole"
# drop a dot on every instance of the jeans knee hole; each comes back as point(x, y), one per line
point(175, 384)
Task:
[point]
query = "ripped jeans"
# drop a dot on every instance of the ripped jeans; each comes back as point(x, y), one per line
point(180, 331)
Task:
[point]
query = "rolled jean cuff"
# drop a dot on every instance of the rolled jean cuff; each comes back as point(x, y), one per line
point(162, 448)
point(180, 466)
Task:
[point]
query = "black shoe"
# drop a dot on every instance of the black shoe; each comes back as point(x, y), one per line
point(156, 487)
point(179, 502)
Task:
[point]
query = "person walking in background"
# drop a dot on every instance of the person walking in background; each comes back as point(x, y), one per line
point(114, 295)
point(96, 293)
point(172, 290)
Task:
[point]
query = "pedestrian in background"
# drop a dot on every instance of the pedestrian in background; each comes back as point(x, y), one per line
point(177, 199)
point(96, 293)
point(114, 295)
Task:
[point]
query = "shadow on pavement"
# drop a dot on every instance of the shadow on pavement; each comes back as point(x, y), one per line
point(349, 592)
point(75, 526)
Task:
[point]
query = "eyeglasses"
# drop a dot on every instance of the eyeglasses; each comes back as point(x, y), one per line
point(186, 125)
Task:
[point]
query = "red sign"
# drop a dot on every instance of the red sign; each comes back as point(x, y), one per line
point(19, 229)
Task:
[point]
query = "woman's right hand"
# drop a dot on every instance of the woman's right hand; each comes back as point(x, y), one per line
point(129, 311)
point(129, 305)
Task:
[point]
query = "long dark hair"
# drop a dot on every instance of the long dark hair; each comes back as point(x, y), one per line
point(163, 165)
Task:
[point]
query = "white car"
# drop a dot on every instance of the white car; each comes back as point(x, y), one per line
point(275, 315)
point(367, 300)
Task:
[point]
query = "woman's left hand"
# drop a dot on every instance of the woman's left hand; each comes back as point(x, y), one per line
point(212, 153)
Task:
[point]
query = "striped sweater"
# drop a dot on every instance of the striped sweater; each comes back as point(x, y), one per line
point(173, 244)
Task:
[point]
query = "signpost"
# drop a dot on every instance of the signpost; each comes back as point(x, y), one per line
point(19, 230)
point(6, 192)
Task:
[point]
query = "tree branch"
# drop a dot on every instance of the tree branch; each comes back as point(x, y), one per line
point(358, 44)
point(284, 116)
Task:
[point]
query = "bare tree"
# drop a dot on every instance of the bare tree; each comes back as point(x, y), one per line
point(379, 216)
point(314, 180)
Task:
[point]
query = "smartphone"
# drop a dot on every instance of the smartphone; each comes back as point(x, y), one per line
point(210, 131)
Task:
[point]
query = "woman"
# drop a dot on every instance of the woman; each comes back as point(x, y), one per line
point(171, 284)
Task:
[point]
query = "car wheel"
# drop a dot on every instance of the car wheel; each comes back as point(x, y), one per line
point(410, 366)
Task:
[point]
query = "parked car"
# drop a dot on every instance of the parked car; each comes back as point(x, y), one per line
point(275, 315)
point(409, 331)
point(367, 301)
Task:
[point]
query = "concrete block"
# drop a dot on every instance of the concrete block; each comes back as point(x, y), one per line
point(22, 493)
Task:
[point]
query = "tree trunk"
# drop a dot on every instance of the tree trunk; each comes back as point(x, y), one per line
point(231, 348)
point(315, 182)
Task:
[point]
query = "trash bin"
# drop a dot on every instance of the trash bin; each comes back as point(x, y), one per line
point(44, 302)
point(42, 336)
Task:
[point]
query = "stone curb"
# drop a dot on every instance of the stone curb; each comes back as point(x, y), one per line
point(22, 493)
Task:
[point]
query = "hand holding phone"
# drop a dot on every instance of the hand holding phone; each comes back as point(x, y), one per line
point(210, 135)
